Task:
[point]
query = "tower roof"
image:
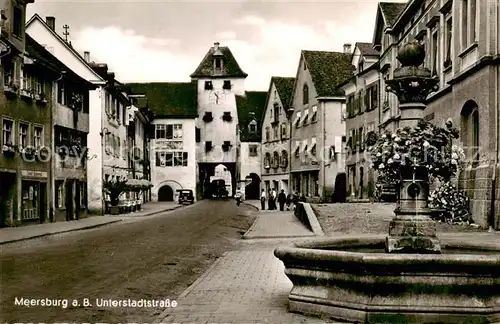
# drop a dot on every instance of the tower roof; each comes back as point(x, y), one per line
point(229, 67)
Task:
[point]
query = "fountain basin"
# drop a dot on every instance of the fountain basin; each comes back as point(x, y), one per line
point(353, 279)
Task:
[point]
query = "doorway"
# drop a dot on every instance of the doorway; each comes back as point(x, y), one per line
point(361, 184)
point(43, 202)
point(165, 194)
point(6, 199)
point(252, 187)
point(69, 199)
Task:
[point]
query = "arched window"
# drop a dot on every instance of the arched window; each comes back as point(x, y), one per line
point(469, 130)
point(267, 160)
point(276, 160)
point(305, 94)
point(284, 159)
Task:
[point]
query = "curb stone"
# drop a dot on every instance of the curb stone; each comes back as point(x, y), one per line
point(256, 208)
point(87, 226)
point(60, 232)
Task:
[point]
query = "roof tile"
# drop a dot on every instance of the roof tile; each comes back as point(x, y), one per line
point(391, 11)
point(169, 99)
point(230, 67)
point(328, 70)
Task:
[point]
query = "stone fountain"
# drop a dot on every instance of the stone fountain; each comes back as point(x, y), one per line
point(410, 276)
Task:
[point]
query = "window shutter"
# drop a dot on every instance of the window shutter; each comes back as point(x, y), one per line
point(197, 134)
point(375, 96)
point(157, 159)
point(184, 158)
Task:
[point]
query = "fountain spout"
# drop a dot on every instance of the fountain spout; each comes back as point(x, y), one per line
point(412, 230)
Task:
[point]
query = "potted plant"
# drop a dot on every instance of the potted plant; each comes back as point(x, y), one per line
point(11, 88)
point(115, 188)
point(9, 149)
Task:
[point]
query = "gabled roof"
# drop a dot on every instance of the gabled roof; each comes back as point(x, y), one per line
point(48, 60)
point(328, 70)
point(250, 107)
point(367, 49)
point(169, 99)
point(70, 48)
point(284, 86)
point(391, 11)
point(230, 67)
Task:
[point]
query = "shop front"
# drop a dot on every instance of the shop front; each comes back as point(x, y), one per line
point(33, 197)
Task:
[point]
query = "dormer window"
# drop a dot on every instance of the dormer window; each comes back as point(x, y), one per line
point(208, 85)
point(305, 94)
point(227, 85)
point(218, 64)
point(252, 126)
point(276, 112)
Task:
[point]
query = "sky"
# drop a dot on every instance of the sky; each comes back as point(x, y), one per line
point(164, 41)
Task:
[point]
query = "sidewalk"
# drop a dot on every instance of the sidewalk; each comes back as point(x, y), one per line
point(15, 234)
point(277, 224)
point(250, 286)
point(241, 287)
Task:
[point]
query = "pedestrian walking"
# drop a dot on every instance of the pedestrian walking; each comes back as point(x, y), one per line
point(282, 200)
point(263, 200)
point(275, 198)
point(295, 199)
point(269, 200)
point(288, 201)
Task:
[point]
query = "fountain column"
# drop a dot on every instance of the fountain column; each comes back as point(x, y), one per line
point(412, 230)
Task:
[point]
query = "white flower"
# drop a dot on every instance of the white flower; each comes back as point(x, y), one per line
point(390, 161)
point(454, 147)
point(453, 161)
point(408, 143)
point(396, 156)
point(426, 144)
point(381, 166)
point(384, 136)
point(454, 156)
point(397, 139)
point(394, 135)
point(379, 154)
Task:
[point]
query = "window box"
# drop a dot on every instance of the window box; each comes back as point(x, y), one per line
point(41, 98)
point(207, 118)
point(9, 149)
point(227, 116)
point(27, 94)
point(11, 88)
point(28, 152)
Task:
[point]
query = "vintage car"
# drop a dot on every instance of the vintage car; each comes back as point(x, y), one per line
point(186, 196)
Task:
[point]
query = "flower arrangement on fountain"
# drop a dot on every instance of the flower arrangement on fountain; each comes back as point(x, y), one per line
point(449, 204)
point(424, 146)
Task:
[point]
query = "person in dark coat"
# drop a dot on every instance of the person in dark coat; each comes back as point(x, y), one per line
point(288, 201)
point(263, 200)
point(302, 198)
point(282, 199)
point(269, 200)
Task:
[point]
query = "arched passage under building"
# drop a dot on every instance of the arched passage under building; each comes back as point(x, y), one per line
point(252, 187)
point(166, 193)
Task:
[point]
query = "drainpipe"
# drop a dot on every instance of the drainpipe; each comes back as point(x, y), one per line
point(324, 142)
point(497, 135)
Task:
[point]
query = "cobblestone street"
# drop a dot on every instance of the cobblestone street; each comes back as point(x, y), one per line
point(156, 258)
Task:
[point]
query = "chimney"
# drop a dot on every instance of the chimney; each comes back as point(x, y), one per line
point(51, 21)
point(86, 56)
point(216, 46)
point(347, 48)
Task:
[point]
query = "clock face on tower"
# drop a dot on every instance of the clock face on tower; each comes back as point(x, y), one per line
point(217, 96)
